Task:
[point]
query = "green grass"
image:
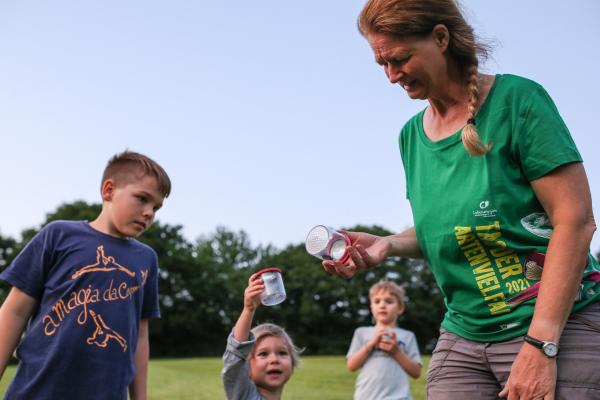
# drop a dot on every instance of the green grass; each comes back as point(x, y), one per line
point(323, 377)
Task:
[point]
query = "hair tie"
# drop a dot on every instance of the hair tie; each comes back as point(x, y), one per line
point(471, 121)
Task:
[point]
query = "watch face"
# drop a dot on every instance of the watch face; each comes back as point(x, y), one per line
point(550, 349)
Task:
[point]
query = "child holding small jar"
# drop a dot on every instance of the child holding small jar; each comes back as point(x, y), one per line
point(257, 362)
point(386, 353)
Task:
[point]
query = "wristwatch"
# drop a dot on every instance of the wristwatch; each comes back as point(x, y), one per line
point(550, 349)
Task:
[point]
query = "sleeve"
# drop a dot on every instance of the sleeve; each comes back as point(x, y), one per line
point(151, 307)
point(29, 269)
point(543, 142)
point(412, 348)
point(235, 374)
point(356, 344)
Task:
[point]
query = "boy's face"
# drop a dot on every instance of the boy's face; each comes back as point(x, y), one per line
point(271, 363)
point(385, 307)
point(131, 206)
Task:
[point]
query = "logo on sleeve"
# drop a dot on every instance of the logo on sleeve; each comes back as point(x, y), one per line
point(538, 224)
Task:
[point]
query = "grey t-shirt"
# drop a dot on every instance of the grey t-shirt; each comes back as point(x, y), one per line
point(235, 373)
point(381, 377)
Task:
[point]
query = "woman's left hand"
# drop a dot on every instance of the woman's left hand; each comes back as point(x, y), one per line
point(532, 376)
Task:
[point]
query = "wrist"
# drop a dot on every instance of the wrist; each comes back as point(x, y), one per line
point(249, 311)
point(547, 348)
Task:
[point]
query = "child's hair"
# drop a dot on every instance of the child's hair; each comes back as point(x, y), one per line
point(265, 330)
point(395, 290)
point(128, 166)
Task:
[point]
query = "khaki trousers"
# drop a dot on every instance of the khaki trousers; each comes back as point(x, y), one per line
point(461, 369)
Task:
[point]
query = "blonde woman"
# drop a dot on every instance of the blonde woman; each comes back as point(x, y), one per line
point(502, 212)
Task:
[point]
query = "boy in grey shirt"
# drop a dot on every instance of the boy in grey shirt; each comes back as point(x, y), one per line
point(387, 354)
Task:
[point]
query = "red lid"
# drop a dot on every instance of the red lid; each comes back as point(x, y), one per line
point(272, 269)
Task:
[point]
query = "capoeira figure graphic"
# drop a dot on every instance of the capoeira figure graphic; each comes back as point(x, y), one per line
point(103, 333)
point(103, 264)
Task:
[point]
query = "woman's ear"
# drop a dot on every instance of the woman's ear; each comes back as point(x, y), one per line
point(441, 36)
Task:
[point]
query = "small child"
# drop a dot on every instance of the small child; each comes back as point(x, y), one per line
point(385, 352)
point(258, 362)
point(85, 291)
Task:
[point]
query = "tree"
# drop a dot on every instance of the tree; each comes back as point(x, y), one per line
point(8, 251)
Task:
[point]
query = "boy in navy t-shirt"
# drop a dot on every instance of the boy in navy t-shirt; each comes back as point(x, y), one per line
point(85, 291)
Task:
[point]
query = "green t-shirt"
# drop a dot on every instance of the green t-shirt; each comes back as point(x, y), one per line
point(477, 219)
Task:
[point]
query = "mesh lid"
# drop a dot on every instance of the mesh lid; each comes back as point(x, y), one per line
point(316, 240)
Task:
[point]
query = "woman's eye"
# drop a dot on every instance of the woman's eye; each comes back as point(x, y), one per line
point(398, 61)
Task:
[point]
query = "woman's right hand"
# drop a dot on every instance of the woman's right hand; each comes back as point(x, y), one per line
point(253, 291)
point(366, 251)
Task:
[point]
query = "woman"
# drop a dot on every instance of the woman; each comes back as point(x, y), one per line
point(502, 212)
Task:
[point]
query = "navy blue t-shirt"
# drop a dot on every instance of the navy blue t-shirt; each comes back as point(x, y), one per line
point(92, 290)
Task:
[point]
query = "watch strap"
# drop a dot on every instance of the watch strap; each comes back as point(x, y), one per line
point(533, 341)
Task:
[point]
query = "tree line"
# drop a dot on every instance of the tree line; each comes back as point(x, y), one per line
point(201, 286)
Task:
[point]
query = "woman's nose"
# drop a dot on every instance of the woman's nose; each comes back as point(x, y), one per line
point(393, 73)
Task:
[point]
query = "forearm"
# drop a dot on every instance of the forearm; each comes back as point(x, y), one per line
point(405, 244)
point(356, 360)
point(412, 368)
point(565, 260)
point(241, 330)
point(139, 386)
point(14, 314)
point(11, 328)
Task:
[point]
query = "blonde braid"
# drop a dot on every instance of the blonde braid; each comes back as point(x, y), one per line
point(469, 135)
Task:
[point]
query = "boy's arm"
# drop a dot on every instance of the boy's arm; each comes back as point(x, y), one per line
point(139, 386)
point(14, 314)
point(410, 362)
point(412, 368)
point(358, 358)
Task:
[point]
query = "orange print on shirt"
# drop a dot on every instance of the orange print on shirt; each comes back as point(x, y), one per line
point(103, 333)
point(103, 264)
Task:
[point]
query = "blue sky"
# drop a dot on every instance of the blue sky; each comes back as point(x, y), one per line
point(270, 116)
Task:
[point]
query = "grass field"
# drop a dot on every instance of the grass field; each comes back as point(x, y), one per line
point(319, 378)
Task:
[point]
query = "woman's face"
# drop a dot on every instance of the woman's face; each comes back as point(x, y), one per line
point(418, 64)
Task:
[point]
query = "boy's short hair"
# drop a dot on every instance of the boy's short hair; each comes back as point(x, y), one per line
point(265, 330)
point(129, 165)
point(390, 286)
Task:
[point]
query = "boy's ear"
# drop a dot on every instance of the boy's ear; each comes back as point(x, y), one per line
point(107, 190)
point(401, 309)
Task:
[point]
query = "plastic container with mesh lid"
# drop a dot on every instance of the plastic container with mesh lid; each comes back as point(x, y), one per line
point(326, 243)
point(274, 292)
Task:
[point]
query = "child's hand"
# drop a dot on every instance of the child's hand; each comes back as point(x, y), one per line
point(388, 342)
point(374, 342)
point(253, 291)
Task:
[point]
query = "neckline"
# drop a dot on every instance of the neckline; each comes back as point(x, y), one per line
point(86, 223)
point(455, 137)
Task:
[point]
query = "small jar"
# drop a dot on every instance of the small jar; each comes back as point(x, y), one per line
point(326, 243)
point(274, 292)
